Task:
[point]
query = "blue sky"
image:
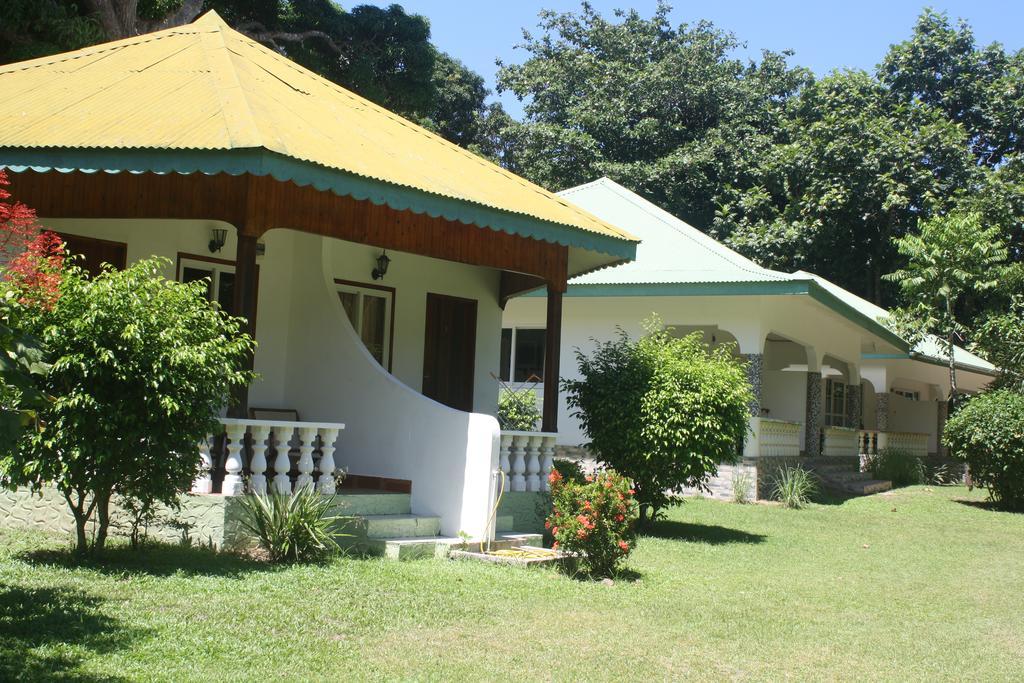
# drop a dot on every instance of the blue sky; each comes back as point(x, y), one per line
point(825, 34)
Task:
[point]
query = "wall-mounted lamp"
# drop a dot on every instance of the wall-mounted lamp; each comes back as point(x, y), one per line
point(382, 266)
point(218, 236)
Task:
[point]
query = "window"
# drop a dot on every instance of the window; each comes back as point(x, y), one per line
point(93, 252)
point(221, 276)
point(370, 309)
point(522, 354)
point(835, 403)
point(909, 395)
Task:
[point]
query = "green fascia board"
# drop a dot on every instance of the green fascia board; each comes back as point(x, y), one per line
point(914, 355)
point(756, 288)
point(261, 162)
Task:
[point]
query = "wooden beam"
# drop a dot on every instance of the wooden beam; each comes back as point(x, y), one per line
point(552, 356)
point(245, 306)
point(516, 283)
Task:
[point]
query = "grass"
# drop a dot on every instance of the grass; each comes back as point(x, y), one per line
point(910, 585)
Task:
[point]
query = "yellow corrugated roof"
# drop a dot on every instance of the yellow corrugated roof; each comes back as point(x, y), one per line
point(204, 86)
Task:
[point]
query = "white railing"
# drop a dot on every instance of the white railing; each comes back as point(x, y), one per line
point(872, 441)
point(780, 438)
point(269, 446)
point(526, 458)
point(836, 441)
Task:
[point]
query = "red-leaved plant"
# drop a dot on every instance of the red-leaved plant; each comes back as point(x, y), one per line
point(593, 520)
point(33, 258)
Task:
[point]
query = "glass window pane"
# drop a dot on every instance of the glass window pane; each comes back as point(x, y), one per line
point(529, 356)
point(226, 292)
point(505, 365)
point(374, 309)
point(348, 302)
point(190, 274)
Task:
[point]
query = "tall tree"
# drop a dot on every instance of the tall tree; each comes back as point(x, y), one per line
point(665, 110)
point(952, 255)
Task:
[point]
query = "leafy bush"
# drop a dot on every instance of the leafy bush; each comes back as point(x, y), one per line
point(899, 467)
point(517, 410)
point(297, 527)
point(662, 411)
point(988, 434)
point(593, 519)
point(141, 365)
point(795, 487)
point(570, 470)
point(742, 486)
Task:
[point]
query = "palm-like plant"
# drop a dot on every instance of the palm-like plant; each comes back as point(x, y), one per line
point(299, 527)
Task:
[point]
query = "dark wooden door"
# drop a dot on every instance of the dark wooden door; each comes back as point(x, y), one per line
point(449, 355)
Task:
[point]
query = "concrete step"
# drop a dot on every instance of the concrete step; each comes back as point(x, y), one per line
point(868, 486)
point(503, 523)
point(419, 547)
point(362, 502)
point(401, 526)
point(845, 476)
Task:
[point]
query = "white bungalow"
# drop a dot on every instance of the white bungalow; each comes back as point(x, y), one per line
point(370, 256)
point(828, 377)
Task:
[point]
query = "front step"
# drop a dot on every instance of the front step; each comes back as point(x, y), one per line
point(413, 548)
point(401, 526)
point(867, 487)
point(845, 477)
point(356, 502)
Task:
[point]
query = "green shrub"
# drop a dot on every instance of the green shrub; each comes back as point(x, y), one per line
point(593, 519)
point(292, 528)
point(899, 467)
point(795, 487)
point(517, 410)
point(742, 486)
point(570, 470)
point(661, 410)
point(988, 434)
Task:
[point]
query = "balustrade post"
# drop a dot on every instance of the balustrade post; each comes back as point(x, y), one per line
point(518, 463)
point(503, 461)
point(328, 436)
point(533, 463)
point(258, 460)
point(233, 485)
point(282, 437)
point(204, 482)
point(547, 461)
point(305, 464)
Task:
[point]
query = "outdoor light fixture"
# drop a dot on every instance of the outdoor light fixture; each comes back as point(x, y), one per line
point(217, 239)
point(382, 266)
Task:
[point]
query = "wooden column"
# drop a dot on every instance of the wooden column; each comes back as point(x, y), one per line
point(552, 354)
point(245, 306)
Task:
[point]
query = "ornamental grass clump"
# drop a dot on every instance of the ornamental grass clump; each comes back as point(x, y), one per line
point(593, 520)
point(297, 527)
point(899, 467)
point(794, 487)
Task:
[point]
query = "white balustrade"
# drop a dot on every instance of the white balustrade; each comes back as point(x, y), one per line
point(277, 435)
point(779, 438)
point(840, 441)
point(913, 443)
point(526, 458)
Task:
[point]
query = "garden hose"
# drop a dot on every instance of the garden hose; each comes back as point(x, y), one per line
point(494, 515)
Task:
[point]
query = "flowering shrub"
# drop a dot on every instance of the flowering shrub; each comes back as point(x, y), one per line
point(593, 519)
point(32, 258)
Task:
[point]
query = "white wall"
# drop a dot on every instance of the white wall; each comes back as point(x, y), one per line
point(906, 415)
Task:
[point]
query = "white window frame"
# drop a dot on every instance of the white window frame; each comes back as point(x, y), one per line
point(360, 291)
point(512, 382)
point(215, 267)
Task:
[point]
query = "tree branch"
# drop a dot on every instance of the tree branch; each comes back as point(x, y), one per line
point(259, 32)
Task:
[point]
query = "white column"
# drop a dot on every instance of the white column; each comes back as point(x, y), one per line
point(503, 461)
point(233, 485)
point(328, 436)
point(518, 463)
point(258, 461)
point(533, 463)
point(547, 461)
point(282, 435)
point(204, 482)
point(305, 464)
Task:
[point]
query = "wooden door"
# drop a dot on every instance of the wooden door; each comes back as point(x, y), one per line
point(449, 355)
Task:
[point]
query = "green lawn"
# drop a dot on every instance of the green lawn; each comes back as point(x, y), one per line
point(911, 585)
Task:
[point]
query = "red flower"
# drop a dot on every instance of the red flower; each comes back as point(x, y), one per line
point(589, 478)
point(582, 519)
point(587, 505)
point(547, 523)
point(620, 518)
point(632, 492)
point(554, 531)
point(607, 484)
point(554, 477)
point(622, 497)
point(554, 546)
point(582, 533)
point(624, 546)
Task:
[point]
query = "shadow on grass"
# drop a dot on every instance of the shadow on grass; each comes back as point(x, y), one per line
point(990, 505)
point(153, 559)
point(41, 629)
point(710, 534)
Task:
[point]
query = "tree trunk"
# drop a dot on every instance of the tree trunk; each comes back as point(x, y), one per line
point(81, 515)
point(950, 345)
point(103, 519)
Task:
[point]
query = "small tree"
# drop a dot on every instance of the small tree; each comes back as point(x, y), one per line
point(662, 411)
point(953, 255)
point(1001, 338)
point(140, 367)
point(988, 434)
